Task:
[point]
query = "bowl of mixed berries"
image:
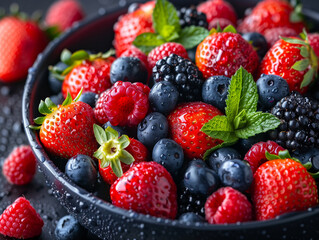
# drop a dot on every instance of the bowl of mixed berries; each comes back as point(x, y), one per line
point(168, 122)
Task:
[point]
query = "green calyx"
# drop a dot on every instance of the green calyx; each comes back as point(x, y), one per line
point(296, 15)
point(168, 29)
point(47, 107)
point(229, 28)
point(112, 150)
point(241, 119)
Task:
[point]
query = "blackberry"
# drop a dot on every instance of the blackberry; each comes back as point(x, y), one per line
point(191, 17)
point(299, 128)
point(183, 74)
point(188, 202)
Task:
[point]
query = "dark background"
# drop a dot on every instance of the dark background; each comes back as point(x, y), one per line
point(11, 129)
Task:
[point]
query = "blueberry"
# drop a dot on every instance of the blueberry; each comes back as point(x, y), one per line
point(243, 145)
point(215, 90)
point(192, 54)
point(153, 128)
point(271, 89)
point(236, 173)
point(312, 156)
point(200, 179)
point(89, 98)
point(133, 7)
point(221, 155)
point(128, 69)
point(258, 41)
point(55, 83)
point(57, 99)
point(169, 154)
point(163, 97)
point(68, 228)
point(120, 130)
point(191, 217)
point(81, 170)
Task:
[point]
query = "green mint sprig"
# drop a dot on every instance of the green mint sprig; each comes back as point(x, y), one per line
point(168, 29)
point(242, 120)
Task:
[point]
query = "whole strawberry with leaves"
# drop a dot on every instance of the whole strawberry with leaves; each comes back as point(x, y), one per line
point(282, 185)
point(66, 130)
point(292, 59)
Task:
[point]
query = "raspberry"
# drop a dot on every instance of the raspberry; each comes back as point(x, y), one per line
point(221, 22)
point(272, 35)
point(191, 17)
point(20, 220)
point(19, 167)
point(227, 205)
point(125, 104)
point(256, 155)
point(165, 50)
point(313, 39)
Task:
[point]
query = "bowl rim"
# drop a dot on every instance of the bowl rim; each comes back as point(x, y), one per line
point(46, 162)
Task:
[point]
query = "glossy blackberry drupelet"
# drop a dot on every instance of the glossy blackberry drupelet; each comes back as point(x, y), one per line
point(128, 69)
point(258, 41)
point(163, 97)
point(197, 184)
point(215, 91)
point(221, 155)
point(191, 17)
point(271, 88)
point(169, 154)
point(191, 217)
point(68, 228)
point(54, 82)
point(89, 98)
point(152, 128)
point(81, 170)
point(236, 173)
point(183, 74)
point(119, 129)
point(299, 128)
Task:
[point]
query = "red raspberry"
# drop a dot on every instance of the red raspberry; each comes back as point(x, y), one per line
point(272, 35)
point(135, 52)
point(256, 154)
point(222, 22)
point(20, 220)
point(313, 39)
point(125, 104)
point(19, 167)
point(165, 50)
point(227, 205)
point(64, 13)
point(137, 150)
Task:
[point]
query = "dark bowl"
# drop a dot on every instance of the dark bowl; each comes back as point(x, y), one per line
point(100, 216)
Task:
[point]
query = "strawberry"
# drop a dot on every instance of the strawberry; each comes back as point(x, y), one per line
point(63, 14)
point(271, 14)
point(292, 59)
point(20, 220)
point(227, 205)
point(185, 124)
point(272, 35)
point(223, 53)
point(281, 186)
point(19, 167)
point(70, 123)
point(89, 72)
point(218, 9)
point(146, 188)
point(23, 41)
point(256, 155)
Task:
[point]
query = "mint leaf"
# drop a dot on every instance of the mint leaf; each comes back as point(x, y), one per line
point(210, 151)
point(147, 41)
point(240, 120)
point(165, 15)
point(233, 97)
point(257, 122)
point(191, 36)
point(249, 94)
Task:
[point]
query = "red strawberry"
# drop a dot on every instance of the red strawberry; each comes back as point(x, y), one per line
point(124, 104)
point(185, 124)
point(139, 153)
point(165, 50)
point(19, 167)
point(272, 35)
point(256, 155)
point(313, 39)
point(66, 130)
point(218, 9)
point(91, 75)
point(227, 205)
point(221, 22)
point(286, 60)
point(146, 188)
point(224, 53)
point(64, 13)
point(21, 41)
point(281, 186)
point(20, 220)
point(270, 14)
